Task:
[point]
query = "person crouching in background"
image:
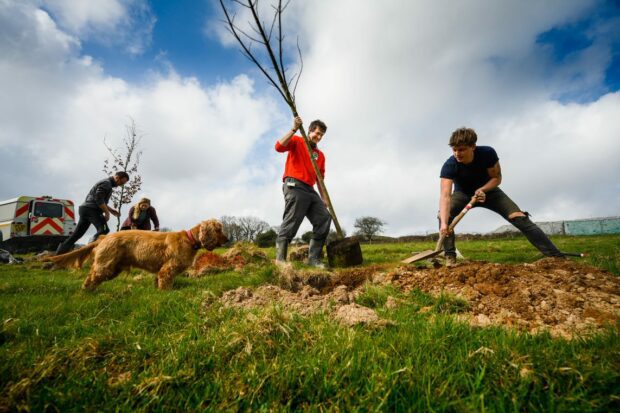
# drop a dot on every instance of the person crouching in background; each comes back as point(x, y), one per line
point(140, 216)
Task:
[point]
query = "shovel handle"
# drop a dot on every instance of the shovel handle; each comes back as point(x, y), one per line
point(455, 221)
point(461, 214)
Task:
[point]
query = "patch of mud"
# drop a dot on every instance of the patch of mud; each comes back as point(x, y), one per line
point(561, 296)
point(235, 258)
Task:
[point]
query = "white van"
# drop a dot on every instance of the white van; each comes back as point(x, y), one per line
point(30, 224)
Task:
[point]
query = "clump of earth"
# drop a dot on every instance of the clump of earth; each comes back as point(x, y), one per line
point(563, 297)
point(235, 258)
point(309, 291)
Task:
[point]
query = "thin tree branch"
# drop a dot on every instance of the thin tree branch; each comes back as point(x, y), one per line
point(246, 49)
point(301, 67)
point(280, 40)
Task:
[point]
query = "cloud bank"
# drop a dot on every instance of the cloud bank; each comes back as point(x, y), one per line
point(392, 80)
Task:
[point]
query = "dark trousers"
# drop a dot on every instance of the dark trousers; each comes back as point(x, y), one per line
point(300, 201)
point(88, 216)
point(497, 201)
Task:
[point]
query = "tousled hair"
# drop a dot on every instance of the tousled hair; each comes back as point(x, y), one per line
point(317, 124)
point(136, 208)
point(463, 137)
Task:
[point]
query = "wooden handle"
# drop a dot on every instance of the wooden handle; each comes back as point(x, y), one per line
point(455, 221)
point(461, 214)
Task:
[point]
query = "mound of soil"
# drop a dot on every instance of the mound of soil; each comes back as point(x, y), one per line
point(561, 296)
point(209, 263)
point(307, 301)
point(235, 258)
point(309, 291)
point(325, 280)
point(354, 314)
point(244, 253)
point(300, 253)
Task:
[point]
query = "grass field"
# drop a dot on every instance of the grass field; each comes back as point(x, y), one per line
point(128, 346)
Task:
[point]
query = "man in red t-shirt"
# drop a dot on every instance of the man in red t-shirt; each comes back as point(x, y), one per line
point(300, 198)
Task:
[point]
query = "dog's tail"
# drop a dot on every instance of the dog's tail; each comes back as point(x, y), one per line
point(73, 259)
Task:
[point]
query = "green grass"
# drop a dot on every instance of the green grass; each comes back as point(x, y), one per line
point(128, 346)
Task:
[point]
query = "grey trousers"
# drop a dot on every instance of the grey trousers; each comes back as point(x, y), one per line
point(300, 201)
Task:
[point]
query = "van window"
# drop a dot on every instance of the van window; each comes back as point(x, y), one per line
point(45, 209)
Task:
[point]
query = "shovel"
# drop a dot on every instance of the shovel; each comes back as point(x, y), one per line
point(439, 247)
point(343, 252)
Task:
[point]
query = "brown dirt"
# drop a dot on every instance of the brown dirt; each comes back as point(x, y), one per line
point(235, 258)
point(300, 253)
point(309, 291)
point(354, 314)
point(562, 296)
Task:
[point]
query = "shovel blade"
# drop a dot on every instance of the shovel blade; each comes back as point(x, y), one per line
point(422, 256)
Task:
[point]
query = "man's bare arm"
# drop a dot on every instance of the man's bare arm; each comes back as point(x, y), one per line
point(444, 203)
point(284, 140)
point(495, 172)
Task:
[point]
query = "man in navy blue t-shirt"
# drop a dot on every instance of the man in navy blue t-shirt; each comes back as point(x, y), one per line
point(475, 170)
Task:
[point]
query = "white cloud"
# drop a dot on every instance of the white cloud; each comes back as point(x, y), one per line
point(112, 22)
point(198, 140)
point(391, 79)
point(394, 79)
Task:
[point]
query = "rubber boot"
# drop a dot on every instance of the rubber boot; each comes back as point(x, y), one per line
point(314, 253)
point(281, 249)
point(536, 236)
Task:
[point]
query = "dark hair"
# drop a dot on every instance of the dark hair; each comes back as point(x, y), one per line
point(317, 124)
point(122, 175)
point(463, 137)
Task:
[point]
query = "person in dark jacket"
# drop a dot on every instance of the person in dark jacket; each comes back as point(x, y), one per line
point(95, 210)
point(140, 217)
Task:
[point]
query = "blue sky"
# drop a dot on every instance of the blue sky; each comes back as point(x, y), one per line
point(181, 37)
point(184, 36)
point(537, 80)
point(564, 41)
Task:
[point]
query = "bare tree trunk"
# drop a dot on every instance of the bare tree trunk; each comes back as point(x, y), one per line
point(128, 161)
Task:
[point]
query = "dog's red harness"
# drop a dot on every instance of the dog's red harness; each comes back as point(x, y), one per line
point(195, 245)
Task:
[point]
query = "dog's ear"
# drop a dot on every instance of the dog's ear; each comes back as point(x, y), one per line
point(203, 233)
point(219, 233)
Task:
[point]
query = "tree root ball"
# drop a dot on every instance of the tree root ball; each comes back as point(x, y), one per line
point(345, 252)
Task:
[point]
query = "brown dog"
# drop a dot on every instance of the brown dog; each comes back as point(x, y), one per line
point(165, 253)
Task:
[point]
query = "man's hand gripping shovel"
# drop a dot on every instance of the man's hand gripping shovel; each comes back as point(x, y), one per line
point(439, 247)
